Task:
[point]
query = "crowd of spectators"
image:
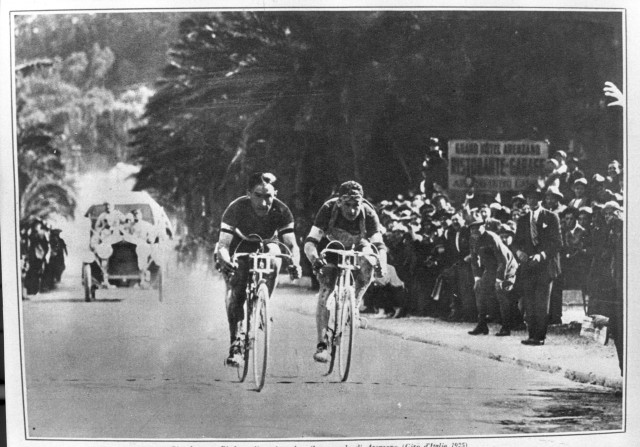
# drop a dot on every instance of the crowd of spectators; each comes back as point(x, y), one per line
point(431, 248)
point(42, 256)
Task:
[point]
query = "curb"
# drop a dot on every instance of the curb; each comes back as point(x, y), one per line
point(571, 374)
point(576, 376)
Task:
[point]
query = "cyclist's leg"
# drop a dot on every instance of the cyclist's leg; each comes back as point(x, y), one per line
point(236, 295)
point(364, 275)
point(327, 278)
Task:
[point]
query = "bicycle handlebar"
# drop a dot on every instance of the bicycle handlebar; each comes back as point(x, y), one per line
point(348, 259)
point(349, 252)
point(237, 256)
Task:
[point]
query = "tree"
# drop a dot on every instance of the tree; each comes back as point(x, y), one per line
point(138, 41)
point(321, 97)
point(43, 190)
point(69, 97)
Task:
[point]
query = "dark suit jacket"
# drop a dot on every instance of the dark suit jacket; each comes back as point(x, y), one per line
point(452, 253)
point(490, 253)
point(549, 239)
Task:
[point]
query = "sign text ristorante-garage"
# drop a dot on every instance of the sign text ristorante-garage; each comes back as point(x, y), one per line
point(495, 165)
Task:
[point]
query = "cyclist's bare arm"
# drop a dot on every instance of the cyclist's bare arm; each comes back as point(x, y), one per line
point(289, 239)
point(226, 236)
point(311, 244)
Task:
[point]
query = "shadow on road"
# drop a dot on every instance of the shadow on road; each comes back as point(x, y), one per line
point(557, 410)
point(75, 300)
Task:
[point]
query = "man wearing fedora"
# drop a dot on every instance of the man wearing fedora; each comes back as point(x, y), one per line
point(552, 200)
point(537, 243)
point(494, 270)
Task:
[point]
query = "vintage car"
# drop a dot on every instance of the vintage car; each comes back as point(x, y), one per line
point(117, 255)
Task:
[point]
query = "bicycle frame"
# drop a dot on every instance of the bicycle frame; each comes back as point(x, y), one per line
point(257, 326)
point(344, 295)
point(260, 266)
point(348, 262)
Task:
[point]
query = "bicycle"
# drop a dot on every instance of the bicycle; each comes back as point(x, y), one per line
point(257, 322)
point(341, 332)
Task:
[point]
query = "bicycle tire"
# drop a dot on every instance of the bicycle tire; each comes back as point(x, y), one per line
point(87, 283)
point(246, 347)
point(333, 336)
point(260, 329)
point(347, 333)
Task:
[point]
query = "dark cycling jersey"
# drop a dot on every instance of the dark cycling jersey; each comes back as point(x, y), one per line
point(240, 215)
point(337, 228)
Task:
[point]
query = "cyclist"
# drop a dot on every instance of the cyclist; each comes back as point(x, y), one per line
point(352, 221)
point(258, 213)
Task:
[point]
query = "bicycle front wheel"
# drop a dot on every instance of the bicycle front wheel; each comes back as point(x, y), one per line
point(347, 328)
point(260, 328)
point(246, 347)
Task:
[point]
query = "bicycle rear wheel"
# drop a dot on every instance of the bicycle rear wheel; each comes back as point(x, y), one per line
point(260, 329)
point(347, 328)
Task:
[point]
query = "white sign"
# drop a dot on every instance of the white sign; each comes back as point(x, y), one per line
point(495, 165)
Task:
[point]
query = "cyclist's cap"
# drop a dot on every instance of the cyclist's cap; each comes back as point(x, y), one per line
point(351, 190)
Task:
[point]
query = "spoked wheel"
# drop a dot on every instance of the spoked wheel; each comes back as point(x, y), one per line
point(260, 329)
point(87, 280)
point(333, 333)
point(348, 325)
point(246, 345)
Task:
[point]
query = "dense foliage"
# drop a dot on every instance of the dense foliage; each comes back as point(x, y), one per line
point(138, 41)
point(43, 189)
point(68, 121)
point(320, 97)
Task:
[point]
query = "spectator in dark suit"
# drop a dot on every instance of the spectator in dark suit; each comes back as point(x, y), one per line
point(598, 283)
point(494, 270)
point(537, 242)
point(553, 196)
point(573, 253)
point(507, 233)
point(615, 296)
point(457, 275)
